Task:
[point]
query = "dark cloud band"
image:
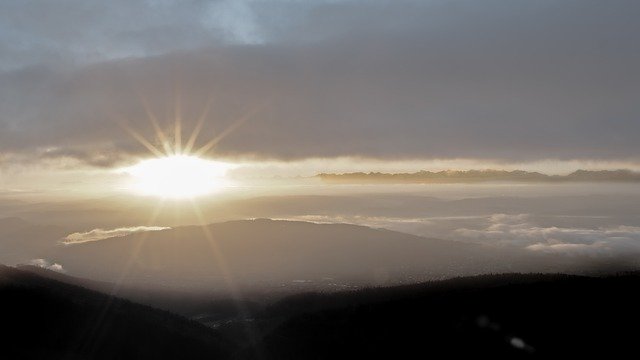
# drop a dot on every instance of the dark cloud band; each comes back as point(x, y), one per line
point(511, 80)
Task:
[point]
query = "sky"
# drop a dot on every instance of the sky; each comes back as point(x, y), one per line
point(493, 81)
point(94, 93)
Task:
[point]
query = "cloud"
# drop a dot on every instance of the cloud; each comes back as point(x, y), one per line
point(101, 234)
point(79, 31)
point(509, 80)
point(612, 247)
point(42, 263)
point(519, 231)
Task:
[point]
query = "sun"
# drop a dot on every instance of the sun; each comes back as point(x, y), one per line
point(178, 176)
point(180, 170)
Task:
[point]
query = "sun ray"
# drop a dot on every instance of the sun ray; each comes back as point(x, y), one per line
point(113, 294)
point(179, 157)
point(231, 128)
point(234, 290)
point(141, 139)
point(181, 172)
point(199, 124)
point(177, 145)
point(156, 127)
point(217, 253)
point(143, 237)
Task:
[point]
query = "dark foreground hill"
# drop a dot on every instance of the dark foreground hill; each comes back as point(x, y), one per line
point(514, 316)
point(492, 316)
point(190, 304)
point(48, 319)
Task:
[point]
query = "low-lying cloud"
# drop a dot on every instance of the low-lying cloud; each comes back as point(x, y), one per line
point(520, 231)
point(101, 234)
point(45, 264)
point(555, 234)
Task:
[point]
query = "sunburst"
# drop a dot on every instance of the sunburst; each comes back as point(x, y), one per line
point(177, 171)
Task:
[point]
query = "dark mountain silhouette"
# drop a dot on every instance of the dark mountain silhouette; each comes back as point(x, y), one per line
point(492, 316)
point(47, 319)
point(264, 252)
point(495, 316)
point(202, 305)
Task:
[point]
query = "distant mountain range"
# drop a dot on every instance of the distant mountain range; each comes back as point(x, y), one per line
point(285, 257)
point(473, 176)
point(263, 253)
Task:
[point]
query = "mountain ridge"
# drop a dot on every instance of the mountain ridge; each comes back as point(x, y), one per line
point(47, 318)
point(473, 176)
point(265, 251)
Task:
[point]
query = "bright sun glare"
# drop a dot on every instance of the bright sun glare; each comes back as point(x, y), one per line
point(179, 171)
point(178, 176)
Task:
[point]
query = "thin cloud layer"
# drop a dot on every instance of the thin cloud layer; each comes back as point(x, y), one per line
point(101, 234)
point(519, 231)
point(45, 264)
point(509, 80)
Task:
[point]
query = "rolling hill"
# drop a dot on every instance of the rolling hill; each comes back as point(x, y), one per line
point(515, 316)
point(45, 318)
point(267, 252)
point(518, 316)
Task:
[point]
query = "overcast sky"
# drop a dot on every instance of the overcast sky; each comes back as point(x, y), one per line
point(500, 80)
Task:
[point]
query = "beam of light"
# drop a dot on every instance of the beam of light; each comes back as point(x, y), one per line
point(91, 337)
point(217, 253)
point(231, 128)
point(196, 130)
point(234, 290)
point(141, 139)
point(138, 246)
point(156, 127)
point(178, 137)
point(180, 172)
point(177, 147)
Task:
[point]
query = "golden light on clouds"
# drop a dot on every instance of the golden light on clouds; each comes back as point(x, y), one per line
point(180, 170)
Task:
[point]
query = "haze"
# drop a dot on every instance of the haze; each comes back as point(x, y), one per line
point(254, 149)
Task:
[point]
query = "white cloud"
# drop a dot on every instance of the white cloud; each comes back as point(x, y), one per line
point(616, 247)
point(42, 263)
point(235, 19)
point(518, 230)
point(101, 234)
